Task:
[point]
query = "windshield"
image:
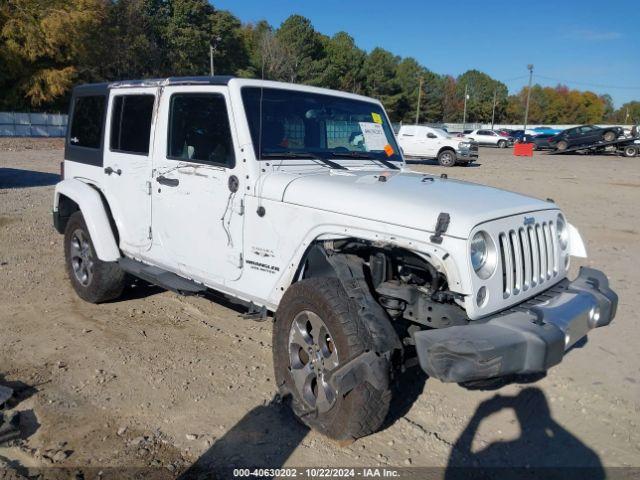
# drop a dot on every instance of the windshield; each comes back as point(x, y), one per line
point(325, 126)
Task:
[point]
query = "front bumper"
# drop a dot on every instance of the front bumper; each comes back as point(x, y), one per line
point(466, 155)
point(529, 338)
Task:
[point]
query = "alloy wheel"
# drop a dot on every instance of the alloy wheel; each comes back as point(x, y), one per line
point(82, 260)
point(313, 355)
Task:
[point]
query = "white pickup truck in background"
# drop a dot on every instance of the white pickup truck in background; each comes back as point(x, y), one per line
point(422, 142)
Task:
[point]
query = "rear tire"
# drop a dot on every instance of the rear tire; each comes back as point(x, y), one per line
point(93, 280)
point(502, 144)
point(320, 309)
point(562, 145)
point(609, 136)
point(447, 158)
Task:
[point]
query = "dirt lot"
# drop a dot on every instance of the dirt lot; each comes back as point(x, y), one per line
point(161, 380)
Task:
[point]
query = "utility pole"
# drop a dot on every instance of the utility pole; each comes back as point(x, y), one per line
point(493, 111)
point(526, 110)
point(213, 45)
point(419, 96)
point(464, 114)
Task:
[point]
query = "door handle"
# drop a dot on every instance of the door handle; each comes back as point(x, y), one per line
point(169, 182)
point(110, 170)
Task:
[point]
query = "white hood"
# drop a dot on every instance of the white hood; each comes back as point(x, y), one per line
point(407, 199)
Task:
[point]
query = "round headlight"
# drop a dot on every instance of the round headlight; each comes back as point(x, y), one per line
point(478, 251)
point(563, 232)
point(483, 255)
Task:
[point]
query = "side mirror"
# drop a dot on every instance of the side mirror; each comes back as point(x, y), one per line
point(431, 135)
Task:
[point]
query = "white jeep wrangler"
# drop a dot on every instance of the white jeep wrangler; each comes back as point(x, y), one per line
point(296, 200)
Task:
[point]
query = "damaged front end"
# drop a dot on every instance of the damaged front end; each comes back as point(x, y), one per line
point(528, 338)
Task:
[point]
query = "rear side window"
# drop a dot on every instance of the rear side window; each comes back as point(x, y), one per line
point(199, 129)
point(88, 121)
point(131, 123)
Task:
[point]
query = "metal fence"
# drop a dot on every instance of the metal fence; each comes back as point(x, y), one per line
point(14, 124)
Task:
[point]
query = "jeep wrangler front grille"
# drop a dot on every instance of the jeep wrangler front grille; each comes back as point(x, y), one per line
point(529, 257)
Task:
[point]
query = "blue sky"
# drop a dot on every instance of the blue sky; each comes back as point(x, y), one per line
point(588, 44)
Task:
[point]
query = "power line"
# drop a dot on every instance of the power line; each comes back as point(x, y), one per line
point(587, 84)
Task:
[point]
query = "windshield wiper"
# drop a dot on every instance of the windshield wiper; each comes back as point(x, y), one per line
point(308, 155)
point(386, 163)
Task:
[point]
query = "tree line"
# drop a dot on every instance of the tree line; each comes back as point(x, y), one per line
point(48, 46)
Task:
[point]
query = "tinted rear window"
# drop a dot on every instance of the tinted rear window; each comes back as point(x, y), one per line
point(88, 121)
point(131, 123)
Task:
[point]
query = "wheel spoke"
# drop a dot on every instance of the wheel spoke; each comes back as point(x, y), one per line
point(317, 325)
point(325, 395)
point(299, 335)
point(75, 246)
point(331, 362)
point(300, 375)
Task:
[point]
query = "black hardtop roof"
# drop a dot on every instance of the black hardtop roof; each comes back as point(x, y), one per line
point(155, 82)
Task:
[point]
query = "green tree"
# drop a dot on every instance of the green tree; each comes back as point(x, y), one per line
point(380, 81)
point(628, 113)
point(187, 35)
point(344, 61)
point(304, 48)
point(48, 44)
point(481, 88)
point(253, 36)
point(231, 55)
point(132, 45)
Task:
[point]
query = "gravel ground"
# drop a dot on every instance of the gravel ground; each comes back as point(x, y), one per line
point(182, 383)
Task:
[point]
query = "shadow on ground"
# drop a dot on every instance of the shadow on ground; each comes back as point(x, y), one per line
point(267, 435)
point(16, 178)
point(28, 422)
point(264, 438)
point(544, 448)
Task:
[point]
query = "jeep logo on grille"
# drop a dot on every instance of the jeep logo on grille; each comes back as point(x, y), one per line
point(529, 220)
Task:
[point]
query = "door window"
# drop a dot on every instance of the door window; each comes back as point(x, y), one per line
point(131, 123)
point(88, 121)
point(199, 129)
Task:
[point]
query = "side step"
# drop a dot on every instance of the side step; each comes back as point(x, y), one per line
point(161, 278)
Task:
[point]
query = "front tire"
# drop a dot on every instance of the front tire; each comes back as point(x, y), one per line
point(502, 144)
point(630, 151)
point(317, 329)
point(93, 280)
point(562, 145)
point(447, 158)
point(609, 136)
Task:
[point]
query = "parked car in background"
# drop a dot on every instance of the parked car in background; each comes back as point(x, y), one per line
point(489, 137)
point(546, 131)
point(517, 135)
point(418, 141)
point(584, 135)
point(540, 142)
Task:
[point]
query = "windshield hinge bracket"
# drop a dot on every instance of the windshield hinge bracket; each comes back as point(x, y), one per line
point(441, 227)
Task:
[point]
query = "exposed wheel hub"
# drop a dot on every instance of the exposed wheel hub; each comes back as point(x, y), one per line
point(312, 357)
